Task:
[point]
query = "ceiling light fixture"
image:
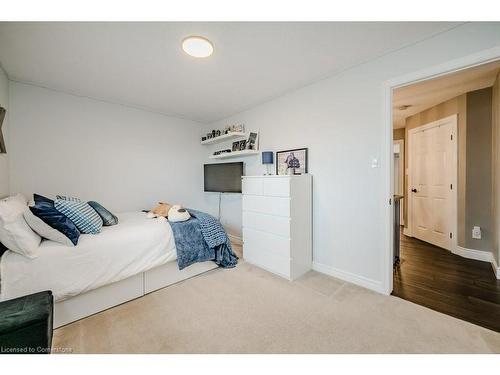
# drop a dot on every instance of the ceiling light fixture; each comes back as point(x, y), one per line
point(197, 46)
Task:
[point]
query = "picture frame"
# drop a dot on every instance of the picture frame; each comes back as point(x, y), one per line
point(236, 146)
point(291, 162)
point(243, 145)
point(252, 142)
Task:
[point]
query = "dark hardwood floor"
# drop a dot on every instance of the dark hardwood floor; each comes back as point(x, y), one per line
point(435, 278)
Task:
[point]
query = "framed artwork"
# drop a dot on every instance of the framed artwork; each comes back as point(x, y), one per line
point(243, 145)
point(291, 161)
point(236, 146)
point(252, 141)
point(3, 150)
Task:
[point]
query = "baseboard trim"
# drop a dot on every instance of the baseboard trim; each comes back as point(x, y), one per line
point(407, 232)
point(349, 277)
point(235, 239)
point(484, 256)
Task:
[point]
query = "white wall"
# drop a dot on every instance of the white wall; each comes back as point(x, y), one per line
point(125, 158)
point(340, 120)
point(4, 161)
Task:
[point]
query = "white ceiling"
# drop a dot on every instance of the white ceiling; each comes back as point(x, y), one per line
point(141, 64)
point(426, 94)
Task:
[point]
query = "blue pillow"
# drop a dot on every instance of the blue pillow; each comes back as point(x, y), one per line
point(85, 217)
point(107, 217)
point(40, 198)
point(45, 210)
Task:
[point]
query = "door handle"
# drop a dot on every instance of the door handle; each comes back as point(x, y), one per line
point(414, 190)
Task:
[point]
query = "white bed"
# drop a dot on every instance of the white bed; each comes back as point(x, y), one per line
point(123, 262)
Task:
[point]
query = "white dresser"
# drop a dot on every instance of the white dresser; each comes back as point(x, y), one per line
point(277, 223)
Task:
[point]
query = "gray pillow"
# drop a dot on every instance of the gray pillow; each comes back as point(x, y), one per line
point(45, 230)
point(107, 217)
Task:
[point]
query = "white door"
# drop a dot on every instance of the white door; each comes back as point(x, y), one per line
point(433, 182)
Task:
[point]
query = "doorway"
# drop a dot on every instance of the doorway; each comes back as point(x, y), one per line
point(436, 121)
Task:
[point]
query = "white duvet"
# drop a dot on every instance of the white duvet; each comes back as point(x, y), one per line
point(134, 245)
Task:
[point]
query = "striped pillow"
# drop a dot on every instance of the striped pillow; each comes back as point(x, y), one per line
point(85, 217)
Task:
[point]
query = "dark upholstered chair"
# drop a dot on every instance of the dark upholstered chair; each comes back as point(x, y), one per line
point(26, 324)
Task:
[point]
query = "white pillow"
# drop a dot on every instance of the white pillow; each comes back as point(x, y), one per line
point(44, 229)
point(15, 233)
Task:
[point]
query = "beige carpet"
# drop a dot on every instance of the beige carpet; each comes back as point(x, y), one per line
point(248, 310)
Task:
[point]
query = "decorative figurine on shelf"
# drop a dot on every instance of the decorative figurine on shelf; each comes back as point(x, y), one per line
point(237, 128)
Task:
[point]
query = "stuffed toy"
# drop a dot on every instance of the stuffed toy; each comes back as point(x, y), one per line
point(177, 213)
point(159, 211)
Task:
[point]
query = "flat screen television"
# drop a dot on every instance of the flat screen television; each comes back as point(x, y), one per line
point(223, 177)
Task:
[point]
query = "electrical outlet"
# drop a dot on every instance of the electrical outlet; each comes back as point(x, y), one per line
point(476, 233)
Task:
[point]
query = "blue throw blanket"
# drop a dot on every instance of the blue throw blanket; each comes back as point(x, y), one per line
point(202, 238)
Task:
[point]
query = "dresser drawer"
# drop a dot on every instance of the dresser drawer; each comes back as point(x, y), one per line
point(267, 205)
point(252, 186)
point(269, 261)
point(276, 187)
point(267, 223)
point(271, 243)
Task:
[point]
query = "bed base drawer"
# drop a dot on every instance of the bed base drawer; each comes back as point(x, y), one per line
point(93, 301)
point(107, 296)
point(168, 274)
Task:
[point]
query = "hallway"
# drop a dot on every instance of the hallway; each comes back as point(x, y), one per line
point(435, 278)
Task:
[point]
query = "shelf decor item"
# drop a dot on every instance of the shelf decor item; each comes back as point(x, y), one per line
point(291, 162)
point(252, 141)
point(268, 160)
point(221, 138)
point(238, 128)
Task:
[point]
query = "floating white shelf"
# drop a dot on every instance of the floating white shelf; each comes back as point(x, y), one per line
point(234, 154)
point(224, 137)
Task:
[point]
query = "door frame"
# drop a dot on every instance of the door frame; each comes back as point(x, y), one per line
point(452, 66)
point(402, 172)
point(412, 132)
